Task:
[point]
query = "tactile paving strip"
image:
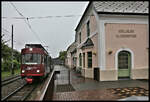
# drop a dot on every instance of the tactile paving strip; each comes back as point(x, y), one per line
point(129, 91)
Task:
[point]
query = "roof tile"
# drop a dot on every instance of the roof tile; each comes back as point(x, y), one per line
point(122, 6)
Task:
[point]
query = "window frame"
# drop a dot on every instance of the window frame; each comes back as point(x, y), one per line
point(89, 59)
point(80, 59)
point(88, 28)
point(84, 59)
point(80, 37)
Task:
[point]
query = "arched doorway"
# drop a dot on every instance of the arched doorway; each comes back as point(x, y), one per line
point(124, 64)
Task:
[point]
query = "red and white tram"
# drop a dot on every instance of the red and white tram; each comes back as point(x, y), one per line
point(35, 62)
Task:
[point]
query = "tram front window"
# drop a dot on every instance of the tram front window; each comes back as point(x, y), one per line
point(31, 59)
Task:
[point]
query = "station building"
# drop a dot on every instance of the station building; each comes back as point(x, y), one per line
point(113, 36)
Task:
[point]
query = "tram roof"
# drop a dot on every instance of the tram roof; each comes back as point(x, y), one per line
point(35, 46)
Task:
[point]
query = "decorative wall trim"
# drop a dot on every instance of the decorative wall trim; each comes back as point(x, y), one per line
point(102, 45)
point(124, 19)
point(98, 31)
point(92, 34)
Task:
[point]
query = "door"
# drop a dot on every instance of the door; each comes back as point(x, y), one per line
point(124, 64)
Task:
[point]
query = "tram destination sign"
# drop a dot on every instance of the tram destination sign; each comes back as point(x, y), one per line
point(128, 33)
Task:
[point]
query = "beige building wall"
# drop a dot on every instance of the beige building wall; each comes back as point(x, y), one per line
point(83, 30)
point(83, 33)
point(108, 75)
point(93, 25)
point(138, 44)
point(88, 72)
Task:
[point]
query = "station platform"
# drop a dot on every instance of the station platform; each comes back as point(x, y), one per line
point(69, 85)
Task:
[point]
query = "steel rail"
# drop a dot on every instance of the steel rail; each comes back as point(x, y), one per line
point(6, 97)
point(26, 96)
point(10, 80)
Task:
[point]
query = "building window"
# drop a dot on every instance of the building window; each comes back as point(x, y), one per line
point(88, 28)
point(80, 59)
point(74, 61)
point(83, 59)
point(80, 37)
point(89, 55)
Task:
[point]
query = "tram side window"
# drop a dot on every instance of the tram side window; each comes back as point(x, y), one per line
point(23, 59)
point(47, 62)
point(42, 59)
point(38, 58)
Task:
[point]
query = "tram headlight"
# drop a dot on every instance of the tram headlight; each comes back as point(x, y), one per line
point(38, 71)
point(23, 71)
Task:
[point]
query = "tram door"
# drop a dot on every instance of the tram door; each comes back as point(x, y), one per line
point(124, 64)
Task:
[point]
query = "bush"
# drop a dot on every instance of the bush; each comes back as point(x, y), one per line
point(6, 65)
point(16, 64)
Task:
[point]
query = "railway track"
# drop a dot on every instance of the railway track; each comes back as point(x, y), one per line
point(21, 93)
point(10, 80)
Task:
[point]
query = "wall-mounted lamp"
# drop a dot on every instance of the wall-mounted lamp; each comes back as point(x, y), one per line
point(94, 53)
point(110, 52)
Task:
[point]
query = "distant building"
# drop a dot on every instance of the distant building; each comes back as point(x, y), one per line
point(113, 36)
point(57, 61)
point(70, 60)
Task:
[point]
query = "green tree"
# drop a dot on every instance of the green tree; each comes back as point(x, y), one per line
point(6, 65)
point(6, 56)
point(62, 55)
point(16, 64)
point(6, 51)
point(17, 55)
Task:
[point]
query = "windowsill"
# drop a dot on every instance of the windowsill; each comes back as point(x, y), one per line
point(86, 68)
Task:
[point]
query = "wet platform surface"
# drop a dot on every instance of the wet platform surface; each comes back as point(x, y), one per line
point(79, 88)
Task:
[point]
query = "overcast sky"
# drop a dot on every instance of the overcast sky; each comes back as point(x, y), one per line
point(56, 31)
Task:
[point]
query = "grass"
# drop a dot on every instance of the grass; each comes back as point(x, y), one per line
point(8, 73)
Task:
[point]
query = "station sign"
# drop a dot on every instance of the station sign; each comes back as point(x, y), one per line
point(126, 33)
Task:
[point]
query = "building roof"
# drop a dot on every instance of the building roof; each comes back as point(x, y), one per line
point(74, 50)
point(122, 6)
point(87, 43)
point(71, 47)
point(118, 7)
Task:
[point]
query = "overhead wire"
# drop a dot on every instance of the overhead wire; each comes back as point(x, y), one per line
point(7, 33)
point(26, 19)
point(27, 22)
point(44, 17)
